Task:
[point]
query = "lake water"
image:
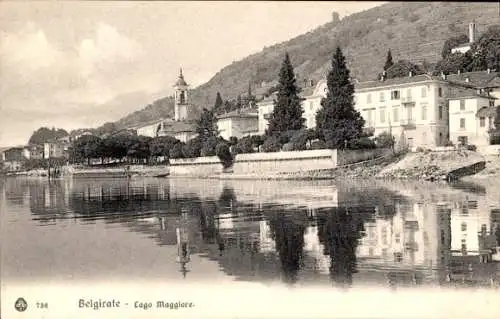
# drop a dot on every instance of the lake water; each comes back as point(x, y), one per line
point(378, 235)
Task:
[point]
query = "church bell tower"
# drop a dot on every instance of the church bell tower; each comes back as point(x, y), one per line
point(181, 101)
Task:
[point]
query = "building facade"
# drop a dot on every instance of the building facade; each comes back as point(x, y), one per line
point(238, 123)
point(472, 115)
point(311, 93)
point(413, 109)
point(53, 150)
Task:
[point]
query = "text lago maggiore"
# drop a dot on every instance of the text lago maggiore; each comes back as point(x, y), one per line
point(99, 304)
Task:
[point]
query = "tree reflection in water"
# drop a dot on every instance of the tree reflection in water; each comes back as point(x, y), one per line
point(339, 232)
point(289, 237)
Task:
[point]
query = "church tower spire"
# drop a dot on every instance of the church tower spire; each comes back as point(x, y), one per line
point(181, 101)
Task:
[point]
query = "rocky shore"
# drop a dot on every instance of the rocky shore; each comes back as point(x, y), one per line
point(423, 166)
point(434, 166)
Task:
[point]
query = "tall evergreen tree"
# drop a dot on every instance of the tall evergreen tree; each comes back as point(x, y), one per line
point(206, 125)
point(219, 104)
point(287, 113)
point(337, 122)
point(239, 103)
point(388, 61)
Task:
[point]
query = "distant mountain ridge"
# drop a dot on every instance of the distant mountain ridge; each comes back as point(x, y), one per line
point(414, 31)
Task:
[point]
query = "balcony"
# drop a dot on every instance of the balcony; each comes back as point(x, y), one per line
point(407, 123)
point(407, 99)
point(411, 246)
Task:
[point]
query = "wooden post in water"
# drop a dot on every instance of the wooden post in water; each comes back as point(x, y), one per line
point(183, 252)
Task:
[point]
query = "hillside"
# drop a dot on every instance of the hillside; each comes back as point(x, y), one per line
point(414, 31)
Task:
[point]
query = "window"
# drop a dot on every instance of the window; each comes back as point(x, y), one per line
point(492, 103)
point(395, 95)
point(462, 140)
point(398, 257)
point(442, 237)
point(424, 112)
point(440, 92)
point(484, 228)
point(408, 94)
point(440, 111)
point(310, 105)
point(395, 114)
point(382, 97)
point(369, 98)
point(382, 116)
point(462, 105)
point(397, 238)
point(423, 92)
point(482, 121)
point(462, 123)
point(463, 227)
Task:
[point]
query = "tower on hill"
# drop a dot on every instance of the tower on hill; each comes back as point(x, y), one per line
point(181, 98)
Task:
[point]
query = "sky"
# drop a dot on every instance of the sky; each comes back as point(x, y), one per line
point(77, 64)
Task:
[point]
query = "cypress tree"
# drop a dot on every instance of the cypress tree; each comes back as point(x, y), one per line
point(287, 112)
point(219, 104)
point(388, 61)
point(337, 122)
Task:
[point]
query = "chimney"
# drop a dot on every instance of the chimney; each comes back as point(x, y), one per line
point(443, 76)
point(467, 79)
point(382, 78)
point(472, 32)
point(489, 70)
point(410, 74)
point(458, 72)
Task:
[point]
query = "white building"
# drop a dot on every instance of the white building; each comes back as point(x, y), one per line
point(413, 108)
point(53, 150)
point(472, 115)
point(238, 123)
point(150, 129)
point(464, 47)
point(311, 103)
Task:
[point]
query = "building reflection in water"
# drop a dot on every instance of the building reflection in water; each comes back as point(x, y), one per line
point(366, 235)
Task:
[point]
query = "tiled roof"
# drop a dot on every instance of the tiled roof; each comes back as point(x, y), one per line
point(396, 81)
point(479, 79)
point(458, 93)
point(239, 113)
point(148, 123)
point(490, 111)
point(179, 127)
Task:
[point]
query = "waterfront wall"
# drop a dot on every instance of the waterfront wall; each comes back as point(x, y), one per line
point(354, 156)
point(284, 162)
point(199, 167)
point(301, 161)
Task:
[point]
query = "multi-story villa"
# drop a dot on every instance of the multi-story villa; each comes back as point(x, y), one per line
point(414, 108)
point(472, 115)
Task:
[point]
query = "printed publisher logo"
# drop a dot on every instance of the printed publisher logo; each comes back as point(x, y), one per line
point(21, 305)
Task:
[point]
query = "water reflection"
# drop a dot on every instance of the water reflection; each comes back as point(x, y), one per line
point(383, 234)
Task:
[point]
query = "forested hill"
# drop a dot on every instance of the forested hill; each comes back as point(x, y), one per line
point(414, 31)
